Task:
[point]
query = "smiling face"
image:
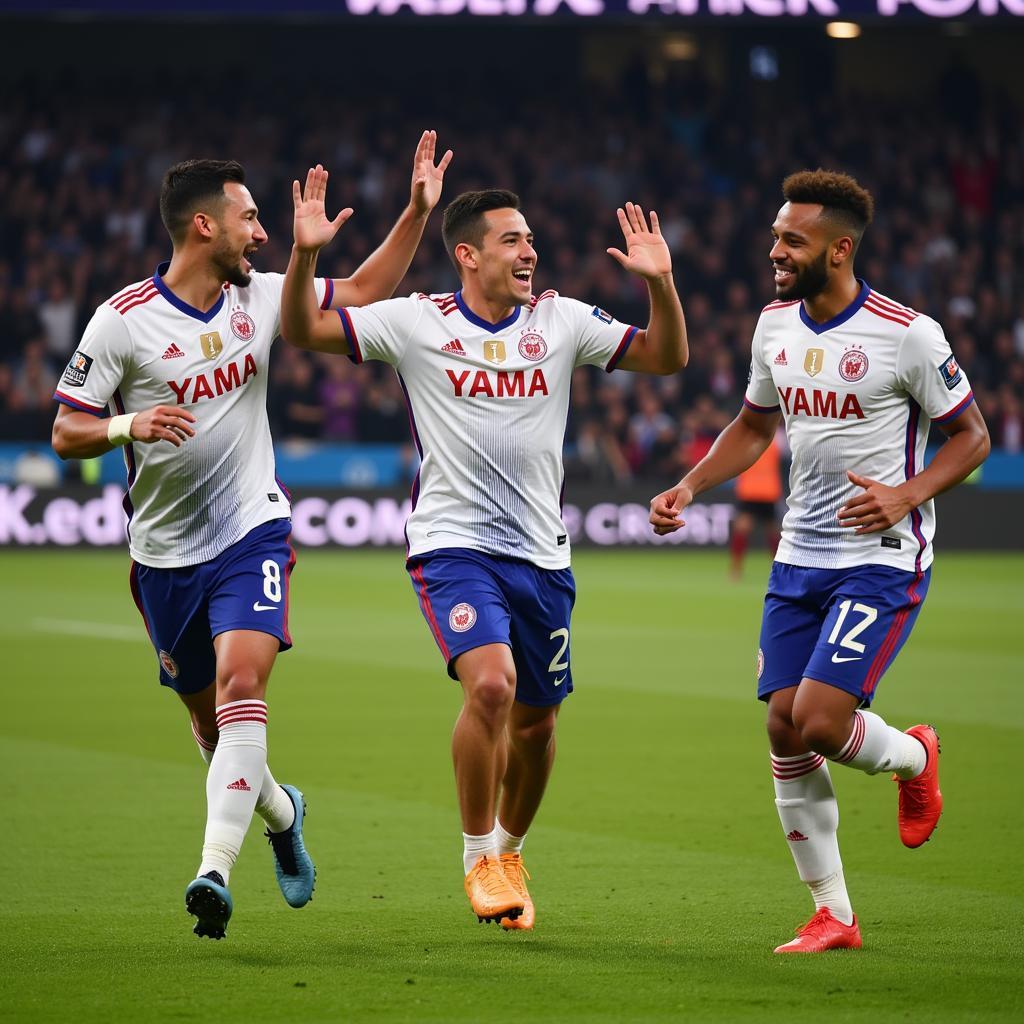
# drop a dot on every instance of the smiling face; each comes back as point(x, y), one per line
point(504, 263)
point(801, 252)
point(238, 234)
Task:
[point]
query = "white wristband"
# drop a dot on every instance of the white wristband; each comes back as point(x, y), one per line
point(119, 429)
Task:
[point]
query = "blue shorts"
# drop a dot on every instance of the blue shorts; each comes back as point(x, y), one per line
point(244, 587)
point(839, 626)
point(470, 599)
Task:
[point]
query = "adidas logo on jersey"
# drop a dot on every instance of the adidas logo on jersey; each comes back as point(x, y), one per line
point(240, 784)
point(173, 352)
point(780, 359)
point(454, 347)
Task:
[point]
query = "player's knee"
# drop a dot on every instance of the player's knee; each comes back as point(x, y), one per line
point(781, 732)
point(242, 683)
point(821, 733)
point(491, 696)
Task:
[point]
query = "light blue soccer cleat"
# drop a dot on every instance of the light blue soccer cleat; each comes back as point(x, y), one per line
point(293, 866)
point(207, 899)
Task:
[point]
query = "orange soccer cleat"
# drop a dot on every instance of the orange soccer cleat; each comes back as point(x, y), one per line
point(921, 798)
point(490, 893)
point(823, 932)
point(514, 868)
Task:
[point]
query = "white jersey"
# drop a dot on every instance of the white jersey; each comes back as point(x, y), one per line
point(146, 347)
point(857, 392)
point(488, 405)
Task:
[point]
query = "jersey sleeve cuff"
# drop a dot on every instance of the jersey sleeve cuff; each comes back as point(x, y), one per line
point(356, 354)
point(956, 410)
point(328, 293)
point(760, 408)
point(76, 403)
point(627, 340)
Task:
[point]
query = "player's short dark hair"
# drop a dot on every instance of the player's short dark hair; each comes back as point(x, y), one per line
point(464, 217)
point(189, 185)
point(846, 203)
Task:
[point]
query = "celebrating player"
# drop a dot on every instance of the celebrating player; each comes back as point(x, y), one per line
point(182, 359)
point(857, 378)
point(486, 372)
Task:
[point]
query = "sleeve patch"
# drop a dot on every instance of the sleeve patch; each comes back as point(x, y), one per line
point(950, 371)
point(605, 318)
point(77, 371)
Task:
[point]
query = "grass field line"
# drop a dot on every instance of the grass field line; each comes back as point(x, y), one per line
point(93, 630)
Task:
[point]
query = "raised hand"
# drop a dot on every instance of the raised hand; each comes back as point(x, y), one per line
point(667, 507)
point(427, 178)
point(646, 252)
point(876, 508)
point(312, 228)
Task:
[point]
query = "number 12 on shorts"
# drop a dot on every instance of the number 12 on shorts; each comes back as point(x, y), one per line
point(849, 640)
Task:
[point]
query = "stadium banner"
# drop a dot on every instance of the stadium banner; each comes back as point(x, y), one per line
point(709, 10)
point(93, 517)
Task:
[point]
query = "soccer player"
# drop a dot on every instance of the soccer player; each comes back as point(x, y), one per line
point(486, 372)
point(182, 360)
point(858, 378)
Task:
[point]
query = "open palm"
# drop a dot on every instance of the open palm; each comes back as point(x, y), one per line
point(427, 178)
point(313, 229)
point(646, 252)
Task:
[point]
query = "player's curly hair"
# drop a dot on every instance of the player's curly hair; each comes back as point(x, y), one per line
point(463, 219)
point(847, 204)
point(190, 184)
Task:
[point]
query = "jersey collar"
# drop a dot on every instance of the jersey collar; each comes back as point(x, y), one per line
point(181, 304)
point(839, 318)
point(480, 321)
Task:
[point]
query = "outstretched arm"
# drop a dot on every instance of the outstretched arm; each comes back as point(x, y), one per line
point(662, 347)
point(382, 271)
point(737, 448)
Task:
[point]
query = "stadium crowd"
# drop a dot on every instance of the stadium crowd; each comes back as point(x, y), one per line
point(80, 171)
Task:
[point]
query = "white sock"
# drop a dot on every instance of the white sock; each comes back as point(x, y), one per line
point(239, 760)
point(809, 813)
point(505, 841)
point(273, 804)
point(474, 847)
point(874, 747)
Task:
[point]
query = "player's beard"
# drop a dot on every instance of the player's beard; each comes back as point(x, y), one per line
point(229, 267)
point(807, 282)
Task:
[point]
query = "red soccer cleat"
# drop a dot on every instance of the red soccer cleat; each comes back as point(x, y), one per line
point(823, 932)
point(921, 798)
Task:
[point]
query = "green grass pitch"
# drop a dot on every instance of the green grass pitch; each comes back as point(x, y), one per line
point(660, 873)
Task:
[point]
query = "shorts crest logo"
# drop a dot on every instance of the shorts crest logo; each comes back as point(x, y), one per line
point(532, 346)
point(853, 364)
point(462, 617)
point(760, 662)
point(242, 325)
point(170, 666)
point(211, 344)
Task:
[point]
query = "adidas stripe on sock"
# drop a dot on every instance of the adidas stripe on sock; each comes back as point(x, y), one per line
point(233, 782)
point(809, 813)
point(874, 747)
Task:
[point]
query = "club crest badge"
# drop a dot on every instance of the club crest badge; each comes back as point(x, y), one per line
point(814, 358)
point(853, 364)
point(170, 666)
point(242, 325)
point(211, 344)
point(462, 617)
point(532, 346)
